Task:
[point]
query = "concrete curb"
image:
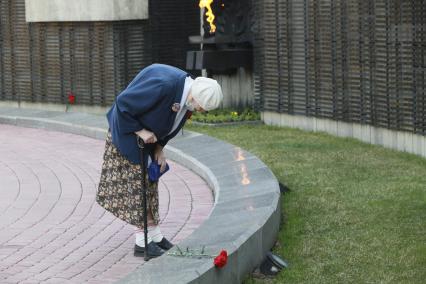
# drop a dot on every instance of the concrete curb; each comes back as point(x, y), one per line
point(245, 218)
point(236, 123)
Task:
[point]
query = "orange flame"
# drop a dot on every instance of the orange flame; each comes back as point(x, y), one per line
point(210, 16)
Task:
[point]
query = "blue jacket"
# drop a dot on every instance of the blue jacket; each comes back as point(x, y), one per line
point(146, 103)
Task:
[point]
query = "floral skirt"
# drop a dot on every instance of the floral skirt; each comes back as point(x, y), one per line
point(120, 185)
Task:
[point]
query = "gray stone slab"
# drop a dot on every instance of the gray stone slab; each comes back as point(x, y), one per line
point(245, 205)
point(237, 164)
point(250, 253)
point(226, 274)
point(220, 229)
point(236, 180)
point(252, 190)
point(221, 157)
point(7, 111)
point(28, 122)
point(8, 120)
point(271, 228)
point(101, 134)
point(166, 269)
point(79, 118)
point(205, 146)
point(32, 113)
point(241, 169)
point(185, 134)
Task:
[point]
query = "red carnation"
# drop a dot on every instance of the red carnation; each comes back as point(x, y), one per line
point(71, 98)
point(221, 259)
point(188, 114)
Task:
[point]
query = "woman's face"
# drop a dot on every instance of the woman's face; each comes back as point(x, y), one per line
point(194, 105)
point(197, 106)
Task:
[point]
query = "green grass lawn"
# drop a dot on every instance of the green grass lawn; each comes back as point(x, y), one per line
point(356, 213)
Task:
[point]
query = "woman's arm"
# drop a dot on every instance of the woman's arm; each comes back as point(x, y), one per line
point(147, 136)
point(137, 99)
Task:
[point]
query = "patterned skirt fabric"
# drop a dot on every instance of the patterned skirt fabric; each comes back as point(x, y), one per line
point(119, 189)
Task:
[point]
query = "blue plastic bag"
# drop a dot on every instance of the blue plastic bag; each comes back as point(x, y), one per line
point(154, 173)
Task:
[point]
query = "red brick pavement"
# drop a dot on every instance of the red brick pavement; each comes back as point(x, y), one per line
point(51, 228)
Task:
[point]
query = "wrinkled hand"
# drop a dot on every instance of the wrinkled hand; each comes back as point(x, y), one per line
point(147, 136)
point(160, 158)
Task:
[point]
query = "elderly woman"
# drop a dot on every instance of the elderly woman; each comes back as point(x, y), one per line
point(154, 106)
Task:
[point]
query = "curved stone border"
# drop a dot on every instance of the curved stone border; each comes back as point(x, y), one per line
point(245, 218)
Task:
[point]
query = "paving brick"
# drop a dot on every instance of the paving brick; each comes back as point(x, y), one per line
point(55, 231)
point(57, 280)
point(29, 281)
point(18, 277)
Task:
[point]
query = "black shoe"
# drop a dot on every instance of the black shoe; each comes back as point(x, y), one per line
point(165, 244)
point(153, 250)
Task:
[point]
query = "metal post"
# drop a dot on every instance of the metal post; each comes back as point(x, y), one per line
point(144, 205)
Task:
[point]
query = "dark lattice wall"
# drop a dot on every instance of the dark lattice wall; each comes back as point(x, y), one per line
point(43, 62)
point(171, 23)
point(358, 61)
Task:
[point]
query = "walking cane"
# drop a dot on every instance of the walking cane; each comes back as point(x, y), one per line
point(145, 221)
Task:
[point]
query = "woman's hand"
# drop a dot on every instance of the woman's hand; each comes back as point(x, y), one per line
point(147, 136)
point(160, 158)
